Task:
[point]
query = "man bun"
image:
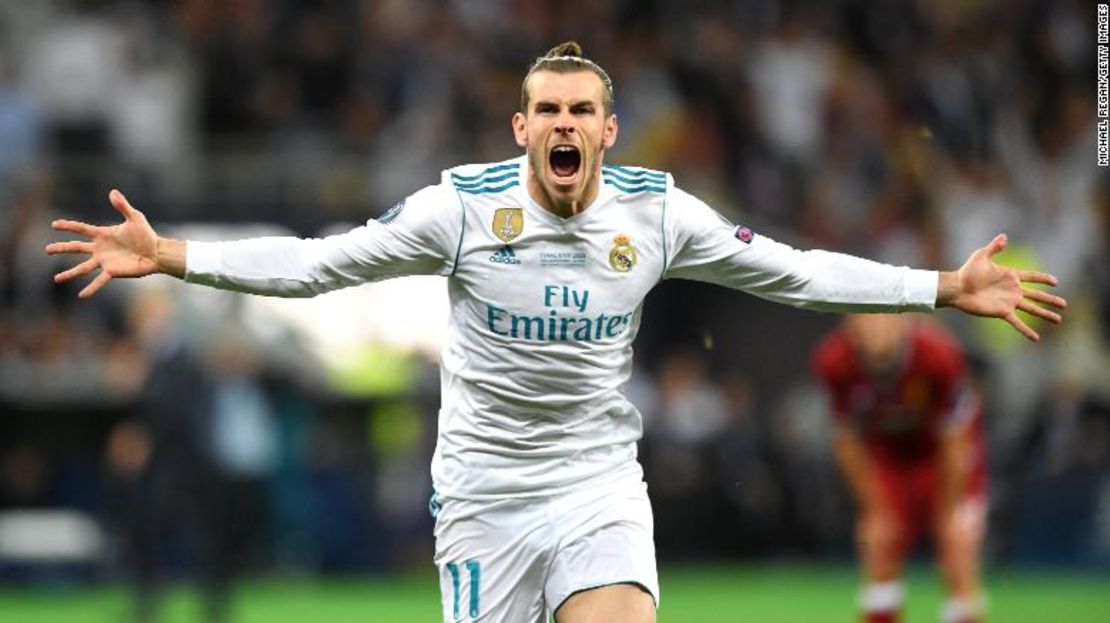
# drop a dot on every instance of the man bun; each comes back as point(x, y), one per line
point(566, 48)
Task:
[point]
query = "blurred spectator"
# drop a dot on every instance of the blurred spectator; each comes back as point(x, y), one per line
point(800, 440)
point(745, 477)
point(151, 127)
point(75, 71)
point(691, 418)
point(26, 480)
point(20, 125)
point(189, 471)
point(790, 73)
point(45, 360)
point(1059, 471)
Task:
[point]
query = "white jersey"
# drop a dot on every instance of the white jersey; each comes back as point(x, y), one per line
point(544, 309)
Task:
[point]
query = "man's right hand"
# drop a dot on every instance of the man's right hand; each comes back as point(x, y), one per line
point(129, 249)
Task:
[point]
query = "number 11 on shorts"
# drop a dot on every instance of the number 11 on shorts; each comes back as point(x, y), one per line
point(474, 569)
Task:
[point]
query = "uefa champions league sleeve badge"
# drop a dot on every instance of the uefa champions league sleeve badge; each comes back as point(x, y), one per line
point(623, 256)
point(744, 234)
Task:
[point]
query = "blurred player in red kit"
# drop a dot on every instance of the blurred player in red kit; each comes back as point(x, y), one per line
point(909, 443)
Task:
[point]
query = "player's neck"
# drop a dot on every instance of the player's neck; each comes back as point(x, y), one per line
point(559, 207)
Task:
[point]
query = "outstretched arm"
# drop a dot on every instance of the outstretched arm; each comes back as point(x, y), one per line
point(421, 239)
point(129, 249)
point(705, 247)
point(984, 288)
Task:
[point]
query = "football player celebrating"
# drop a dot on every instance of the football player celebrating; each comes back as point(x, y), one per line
point(539, 499)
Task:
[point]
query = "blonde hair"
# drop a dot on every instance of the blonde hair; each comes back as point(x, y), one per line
point(567, 58)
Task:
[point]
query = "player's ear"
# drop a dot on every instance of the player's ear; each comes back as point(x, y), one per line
point(519, 129)
point(609, 136)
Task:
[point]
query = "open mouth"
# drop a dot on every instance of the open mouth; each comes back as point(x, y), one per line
point(565, 161)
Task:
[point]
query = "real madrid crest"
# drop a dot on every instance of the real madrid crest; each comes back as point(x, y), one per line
point(508, 223)
point(623, 256)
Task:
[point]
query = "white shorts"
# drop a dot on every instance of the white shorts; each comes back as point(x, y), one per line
point(517, 560)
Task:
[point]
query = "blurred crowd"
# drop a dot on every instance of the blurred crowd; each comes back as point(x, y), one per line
point(905, 131)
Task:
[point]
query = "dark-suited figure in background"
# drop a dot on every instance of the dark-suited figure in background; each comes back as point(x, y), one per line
point(166, 502)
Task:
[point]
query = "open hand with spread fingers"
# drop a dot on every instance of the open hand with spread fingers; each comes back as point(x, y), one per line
point(983, 287)
point(129, 249)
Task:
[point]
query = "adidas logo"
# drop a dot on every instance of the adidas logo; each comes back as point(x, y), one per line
point(504, 255)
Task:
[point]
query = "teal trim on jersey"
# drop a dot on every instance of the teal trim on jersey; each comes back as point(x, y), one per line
point(462, 232)
point(484, 181)
point(482, 190)
point(631, 170)
point(634, 175)
point(494, 169)
point(634, 180)
point(434, 504)
point(634, 187)
point(663, 235)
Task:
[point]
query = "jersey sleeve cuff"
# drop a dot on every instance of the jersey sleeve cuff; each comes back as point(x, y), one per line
point(921, 289)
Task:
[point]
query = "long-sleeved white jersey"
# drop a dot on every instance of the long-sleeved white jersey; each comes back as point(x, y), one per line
point(544, 309)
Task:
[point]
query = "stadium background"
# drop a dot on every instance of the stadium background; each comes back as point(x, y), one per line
point(905, 131)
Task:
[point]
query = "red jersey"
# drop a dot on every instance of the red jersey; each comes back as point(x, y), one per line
point(901, 414)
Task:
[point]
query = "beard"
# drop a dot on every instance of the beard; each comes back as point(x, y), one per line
point(541, 170)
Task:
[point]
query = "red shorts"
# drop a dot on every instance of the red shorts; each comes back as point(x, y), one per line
point(912, 490)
